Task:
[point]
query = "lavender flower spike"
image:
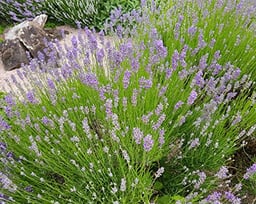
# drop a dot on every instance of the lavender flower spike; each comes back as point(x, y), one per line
point(250, 171)
point(192, 97)
point(148, 143)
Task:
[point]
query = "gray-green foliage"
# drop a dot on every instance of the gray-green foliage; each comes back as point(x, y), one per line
point(72, 11)
point(91, 13)
point(20, 10)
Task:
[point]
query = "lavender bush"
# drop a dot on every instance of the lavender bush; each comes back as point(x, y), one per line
point(18, 11)
point(153, 118)
point(91, 13)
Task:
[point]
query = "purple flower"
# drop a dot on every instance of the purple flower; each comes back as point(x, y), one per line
point(162, 91)
point(108, 106)
point(199, 80)
point(134, 97)
point(8, 111)
point(168, 73)
point(137, 135)
point(192, 97)
point(119, 31)
point(126, 49)
point(51, 84)
point(2, 146)
point(100, 56)
point(3, 197)
point(159, 172)
point(135, 64)
point(31, 97)
point(175, 60)
point(161, 139)
point(159, 122)
point(9, 100)
point(192, 30)
point(126, 79)
point(161, 50)
point(45, 120)
point(145, 83)
point(236, 73)
point(9, 155)
point(232, 198)
point(250, 171)
point(145, 118)
point(177, 30)
point(212, 43)
point(3, 124)
point(183, 74)
point(231, 95)
point(214, 197)
point(92, 41)
point(117, 58)
point(194, 143)
point(86, 128)
point(178, 105)
point(201, 42)
point(125, 102)
point(74, 42)
point(203, 62)
point(29, 189)
point(148, 143)
point(89, 79)
point(217, 55)
point(159, 109)
point(116, 97)
point(201, 180)
point(222, 173)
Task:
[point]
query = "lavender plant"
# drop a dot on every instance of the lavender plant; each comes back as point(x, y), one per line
point(91, 13)
point(224, 26)
point(20, 10)
point(149, 118)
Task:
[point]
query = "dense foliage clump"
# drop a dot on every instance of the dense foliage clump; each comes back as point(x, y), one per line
point(91, 13)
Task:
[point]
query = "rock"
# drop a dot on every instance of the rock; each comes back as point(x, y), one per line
point(11, 34)
point(13, 54)
point(39, 21)
point(33, 38)
point(55, 33)
point(1, 47)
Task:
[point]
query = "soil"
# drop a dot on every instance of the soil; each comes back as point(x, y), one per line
point(242, 160)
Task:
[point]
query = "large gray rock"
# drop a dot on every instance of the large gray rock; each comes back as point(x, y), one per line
point(38, 21)
point(33, 38)
point(13, 54)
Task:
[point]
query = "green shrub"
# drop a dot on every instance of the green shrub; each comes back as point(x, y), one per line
point(18, 11)
point(91, 13)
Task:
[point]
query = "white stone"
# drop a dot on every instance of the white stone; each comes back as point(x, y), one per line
point(40, 20)
point(13, 32)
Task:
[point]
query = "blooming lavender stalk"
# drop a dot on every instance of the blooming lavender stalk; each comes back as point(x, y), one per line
point(192, 97)
point(250, 172)
point(148, 143)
